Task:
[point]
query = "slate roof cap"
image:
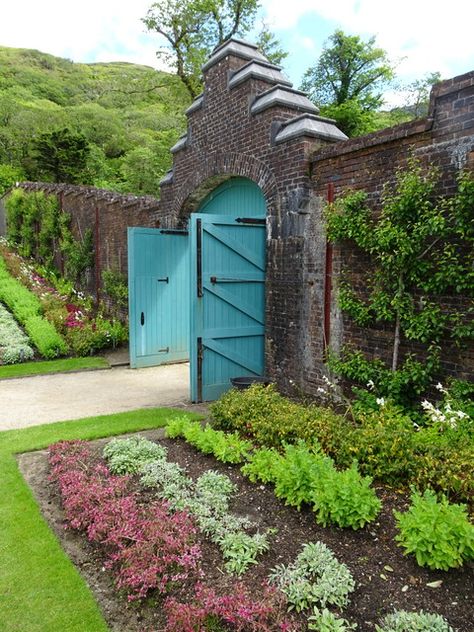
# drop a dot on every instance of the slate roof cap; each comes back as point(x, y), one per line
point(283, 95)
point(259, 70)
point(236, 47)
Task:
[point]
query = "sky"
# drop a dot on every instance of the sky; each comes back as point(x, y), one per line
point(421, 36)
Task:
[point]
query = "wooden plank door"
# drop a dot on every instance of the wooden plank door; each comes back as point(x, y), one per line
point(228, 301)
point(159, 296)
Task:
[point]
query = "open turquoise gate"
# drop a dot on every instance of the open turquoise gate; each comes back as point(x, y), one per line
point(207, 286)
point(159, 296)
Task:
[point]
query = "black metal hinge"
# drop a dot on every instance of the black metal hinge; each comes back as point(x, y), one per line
point(199, 258)
point(200, 355)
point(174, 231)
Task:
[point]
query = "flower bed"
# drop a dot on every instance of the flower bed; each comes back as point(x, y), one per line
point(72, 313)
point(26, 308)
point(384, 580)
point(14, 345)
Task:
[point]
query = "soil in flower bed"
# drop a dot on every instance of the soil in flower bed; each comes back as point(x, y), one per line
point(385, 579)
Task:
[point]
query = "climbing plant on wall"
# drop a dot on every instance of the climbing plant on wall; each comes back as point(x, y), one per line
point(37, 228)
point(419, 247)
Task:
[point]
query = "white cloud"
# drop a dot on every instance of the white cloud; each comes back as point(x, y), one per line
point(429, 36)
point(101, 29)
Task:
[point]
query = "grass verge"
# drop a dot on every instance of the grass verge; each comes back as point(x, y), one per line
point(51, 366)
point(40, 589)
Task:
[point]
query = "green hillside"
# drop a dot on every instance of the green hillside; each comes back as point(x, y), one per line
point(126, 116)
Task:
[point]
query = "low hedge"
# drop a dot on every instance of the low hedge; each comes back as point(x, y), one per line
point(26, 308)
point(385, 442)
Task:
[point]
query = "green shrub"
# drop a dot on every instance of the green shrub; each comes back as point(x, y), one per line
point(262, 465)
point(315, 578)
point(383, 445)
point(438, 533)
point(325, 621)
point(176, 426)
point(299, 472)
point(115, 286)
point(27, 310)
point(127, 456)
point(403, 621)
point(93, 336)
point(262, 414)
point(226, 447)
point(445, 466)
point(345, 499)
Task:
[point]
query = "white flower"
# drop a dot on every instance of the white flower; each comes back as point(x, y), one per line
point(321, 390)
point(371, 385)
point(461, 414)
point(441, 388)
point(380, 401)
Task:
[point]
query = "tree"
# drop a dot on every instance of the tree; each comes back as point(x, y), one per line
point(270, 46)
point(348, 79)
point(193, 28)
point(8, 176)
point(417, 246)
point(61, 156)
point(419, 94)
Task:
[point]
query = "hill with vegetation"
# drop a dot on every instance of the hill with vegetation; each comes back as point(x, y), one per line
point(113, 122)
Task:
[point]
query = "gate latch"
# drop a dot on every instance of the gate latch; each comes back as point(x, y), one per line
point(165, 280)
point(164, 350)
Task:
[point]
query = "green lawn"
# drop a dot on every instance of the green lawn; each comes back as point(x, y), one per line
point(40, 590)
point(52, 366)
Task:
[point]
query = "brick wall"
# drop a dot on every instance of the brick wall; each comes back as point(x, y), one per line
point(108, 214)
point(445, 139)
point(225, 139)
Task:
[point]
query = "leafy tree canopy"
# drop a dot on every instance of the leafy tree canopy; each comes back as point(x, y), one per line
point(193, 28)
point(61, 156)
point(348, 79)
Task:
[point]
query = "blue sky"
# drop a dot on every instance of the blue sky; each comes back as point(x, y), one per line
point(423, 36)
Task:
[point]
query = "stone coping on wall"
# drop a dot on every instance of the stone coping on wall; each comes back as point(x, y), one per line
point(375, 138)
point(195, 105)
point(282, 95)
point(257, 69)
point(86, 192)
point(310, 125)
point(236, 47)
point(180, 144)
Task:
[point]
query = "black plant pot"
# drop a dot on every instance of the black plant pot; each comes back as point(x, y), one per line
point(241, 383)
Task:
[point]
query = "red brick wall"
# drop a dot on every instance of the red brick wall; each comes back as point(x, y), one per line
point(445, 139)
point(108, 214)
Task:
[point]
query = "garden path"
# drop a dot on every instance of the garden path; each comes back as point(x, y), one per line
point(30, 401)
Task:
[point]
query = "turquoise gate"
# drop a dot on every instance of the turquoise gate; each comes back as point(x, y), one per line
point(159, 296)
point(202, 295)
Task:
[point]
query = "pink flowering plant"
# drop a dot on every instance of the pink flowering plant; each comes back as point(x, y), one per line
point(237, 611)
point(146, 547)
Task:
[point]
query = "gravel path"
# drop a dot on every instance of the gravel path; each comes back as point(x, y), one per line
point(30, 401)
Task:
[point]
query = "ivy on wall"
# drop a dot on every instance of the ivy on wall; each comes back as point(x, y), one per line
point(420, 248)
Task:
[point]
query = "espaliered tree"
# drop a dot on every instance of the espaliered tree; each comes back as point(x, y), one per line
point(419, 248)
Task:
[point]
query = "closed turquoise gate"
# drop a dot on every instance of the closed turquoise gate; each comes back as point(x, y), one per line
point(159, 296)
point(227, 288)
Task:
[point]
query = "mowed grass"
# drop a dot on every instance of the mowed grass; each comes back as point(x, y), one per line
point(52, 366)
point(40, 589)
